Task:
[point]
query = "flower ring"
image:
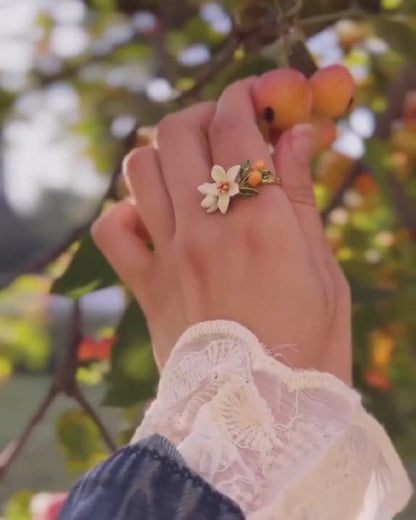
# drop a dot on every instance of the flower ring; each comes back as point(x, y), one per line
point(240, 179)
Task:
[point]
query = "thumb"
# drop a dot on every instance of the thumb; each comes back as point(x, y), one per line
point(292, 163)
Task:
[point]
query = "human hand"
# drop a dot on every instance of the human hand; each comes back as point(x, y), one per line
point(265, 264)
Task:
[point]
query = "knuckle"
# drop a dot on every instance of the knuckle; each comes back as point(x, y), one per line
point(302, 194)
point(137, 159)
point(190, 247)
point(257, 238)
point(168, 126)
point(225, 123)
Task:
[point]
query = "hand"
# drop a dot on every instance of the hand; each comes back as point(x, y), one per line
point(265, 264)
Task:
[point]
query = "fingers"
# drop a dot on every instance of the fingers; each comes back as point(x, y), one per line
point(235, 137)
point(121, 236)
point(292, 162)
point(145, 179)
point(185, 157)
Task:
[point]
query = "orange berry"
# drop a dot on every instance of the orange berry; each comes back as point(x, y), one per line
point(259, 165)
point(366, 185)
point(349, 33)
point(254, 179)
point(333, 90)
point(282, 98)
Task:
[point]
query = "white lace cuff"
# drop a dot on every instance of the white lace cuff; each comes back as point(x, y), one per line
point(283, 443)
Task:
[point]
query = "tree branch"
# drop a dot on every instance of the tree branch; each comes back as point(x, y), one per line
point(64, 382)
point(89, 410)
point(217, 62)
point(12, 450)
point(37, 265)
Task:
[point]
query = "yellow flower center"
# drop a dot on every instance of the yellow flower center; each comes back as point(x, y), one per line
point(223, 187)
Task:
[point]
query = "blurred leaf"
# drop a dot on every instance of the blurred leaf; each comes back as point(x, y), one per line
point(133, 375)
point(92, 374)
point(17, 507)
point(6, 369)
point(399, 35)
point(362, 294)
point(104, 6)
point(87, 272)
point(24, 341)
point(79, 439)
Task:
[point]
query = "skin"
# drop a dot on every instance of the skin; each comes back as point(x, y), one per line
point(265, 264)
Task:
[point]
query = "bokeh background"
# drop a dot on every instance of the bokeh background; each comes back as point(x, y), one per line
point(84, 81)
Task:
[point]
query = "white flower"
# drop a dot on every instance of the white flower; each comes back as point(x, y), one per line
point(218, 193)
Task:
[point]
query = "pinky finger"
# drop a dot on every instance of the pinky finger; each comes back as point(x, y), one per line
point(123, 239)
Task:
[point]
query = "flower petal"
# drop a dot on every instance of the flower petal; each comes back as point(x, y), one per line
point(223, 202)
point(208, 201)
point(234, 189)
point(218, 173)
point(213, 208)
point(232, 173)
point(208, 188)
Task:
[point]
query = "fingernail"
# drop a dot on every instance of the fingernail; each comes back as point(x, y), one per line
point(301, 142)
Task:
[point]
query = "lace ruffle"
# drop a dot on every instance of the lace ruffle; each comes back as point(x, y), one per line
point(283, 443)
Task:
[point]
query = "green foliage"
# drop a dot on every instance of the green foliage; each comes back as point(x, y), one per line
point(88, 271)
point(80, 440)
point(400, 35)
point(133, 375)
point(17, 507)
point(24, 340)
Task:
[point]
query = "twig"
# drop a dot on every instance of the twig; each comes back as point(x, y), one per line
point(89, 410)
point(218, 61)
point(12, 450)
point(64, 382)
point(330, 17)
point(355, 171)
point(237, 37)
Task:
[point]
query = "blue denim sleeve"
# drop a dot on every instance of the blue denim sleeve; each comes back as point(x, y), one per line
point(147, 481)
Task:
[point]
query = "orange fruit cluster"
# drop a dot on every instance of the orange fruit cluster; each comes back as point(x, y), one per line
point(285, 97)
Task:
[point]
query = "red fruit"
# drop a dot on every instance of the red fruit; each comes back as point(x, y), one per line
point(282, 98)
point(333, 90)
point(91, 349)
point(378, 379)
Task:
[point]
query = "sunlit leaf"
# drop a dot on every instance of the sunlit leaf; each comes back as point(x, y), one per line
point(6, 369)
point(133, 375)
point(18, 506)
point(79, 439)
point(88, 271)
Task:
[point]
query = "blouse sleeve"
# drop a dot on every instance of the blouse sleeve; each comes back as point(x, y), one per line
point(280, 442)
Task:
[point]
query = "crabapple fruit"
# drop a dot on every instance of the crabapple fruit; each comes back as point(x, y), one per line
point(333, 91)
